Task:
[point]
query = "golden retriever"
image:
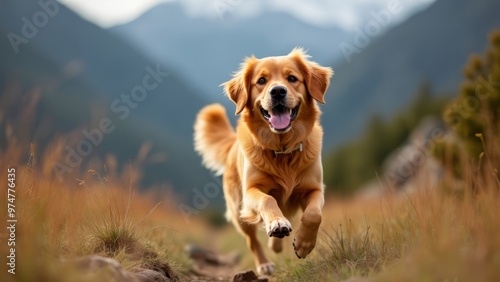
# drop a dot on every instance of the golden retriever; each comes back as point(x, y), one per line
point(271, 164)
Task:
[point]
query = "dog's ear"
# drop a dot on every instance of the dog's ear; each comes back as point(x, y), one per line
point(238, 88)
point(317, 78)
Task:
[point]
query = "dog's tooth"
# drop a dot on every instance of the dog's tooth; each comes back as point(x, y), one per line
point(291, 111)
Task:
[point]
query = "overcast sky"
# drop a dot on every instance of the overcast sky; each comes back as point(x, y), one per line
point(344, 13)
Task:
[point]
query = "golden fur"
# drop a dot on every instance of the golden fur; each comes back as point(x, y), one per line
point(261, 186)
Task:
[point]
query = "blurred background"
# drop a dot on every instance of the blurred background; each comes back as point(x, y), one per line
point(114, 81)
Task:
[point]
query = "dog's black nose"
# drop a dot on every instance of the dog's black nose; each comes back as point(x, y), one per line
point(278, 92)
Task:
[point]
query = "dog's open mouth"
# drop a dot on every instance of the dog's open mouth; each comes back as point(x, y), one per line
point(280, 117)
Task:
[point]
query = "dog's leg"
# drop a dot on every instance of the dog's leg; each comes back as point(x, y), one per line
point(264, 267)
point(305, 239)
point(257, 204)
point(276, 244)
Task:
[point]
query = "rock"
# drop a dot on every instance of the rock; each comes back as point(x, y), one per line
point(404, 165)
point(248, 276)
point(245, 276)
point(149, 275)
point(97, 268)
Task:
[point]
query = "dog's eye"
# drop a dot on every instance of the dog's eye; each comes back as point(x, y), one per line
point(261, 81)
point(292, 78)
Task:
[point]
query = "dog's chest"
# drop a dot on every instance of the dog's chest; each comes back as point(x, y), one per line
point(287, 172)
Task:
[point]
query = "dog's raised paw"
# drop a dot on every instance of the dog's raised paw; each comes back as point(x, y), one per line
point(279, 228)
point(303, 245)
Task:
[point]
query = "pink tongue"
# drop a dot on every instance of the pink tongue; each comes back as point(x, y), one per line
point(280, 120)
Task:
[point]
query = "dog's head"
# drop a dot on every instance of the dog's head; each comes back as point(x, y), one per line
point(279, 88)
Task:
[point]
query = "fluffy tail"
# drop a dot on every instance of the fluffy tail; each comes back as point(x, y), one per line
point(213, 137)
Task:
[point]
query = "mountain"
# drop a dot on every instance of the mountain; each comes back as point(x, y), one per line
point(83, 74)
point(432, 46)
point(206, 52)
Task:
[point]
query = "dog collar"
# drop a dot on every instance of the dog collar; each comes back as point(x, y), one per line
point(298, 147)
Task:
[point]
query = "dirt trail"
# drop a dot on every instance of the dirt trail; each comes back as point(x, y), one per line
point(211, 266)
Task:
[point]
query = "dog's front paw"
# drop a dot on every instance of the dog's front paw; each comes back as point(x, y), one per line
point(265, 268)
point(279, 227)
point(304, 242)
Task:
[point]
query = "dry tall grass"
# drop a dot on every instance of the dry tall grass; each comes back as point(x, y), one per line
point(446, 231)
point(97, 213)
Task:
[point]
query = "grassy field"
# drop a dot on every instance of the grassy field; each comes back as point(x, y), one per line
point(58, 221)
point(426, 236)
point(433, 234)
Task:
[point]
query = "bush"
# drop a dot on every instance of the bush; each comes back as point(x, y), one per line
point(474, 116)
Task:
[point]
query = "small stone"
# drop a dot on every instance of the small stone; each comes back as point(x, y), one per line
point(245, 276)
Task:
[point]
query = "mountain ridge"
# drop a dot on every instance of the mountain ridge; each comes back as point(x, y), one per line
point(202, 44)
